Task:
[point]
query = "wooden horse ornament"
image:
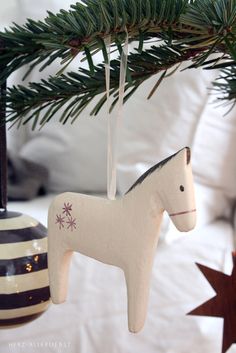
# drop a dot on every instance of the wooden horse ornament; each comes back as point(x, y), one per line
point(123, 232)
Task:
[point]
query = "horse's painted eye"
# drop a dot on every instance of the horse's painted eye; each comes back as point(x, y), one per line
point(181, 188)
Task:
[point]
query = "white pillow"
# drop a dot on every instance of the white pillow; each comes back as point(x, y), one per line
point(154, 129)
point(75, 154)
point(214, 162)
point(157, 128)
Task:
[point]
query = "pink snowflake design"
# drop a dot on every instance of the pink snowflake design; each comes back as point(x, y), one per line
point(71, 223)
point(67, 209)
point(60, 221)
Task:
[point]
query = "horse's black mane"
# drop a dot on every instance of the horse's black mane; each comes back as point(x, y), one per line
point(152, 169)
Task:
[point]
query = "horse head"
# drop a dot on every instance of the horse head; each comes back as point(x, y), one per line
point(177, 191)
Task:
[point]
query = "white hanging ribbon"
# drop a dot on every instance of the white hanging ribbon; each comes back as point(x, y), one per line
point(115, 119)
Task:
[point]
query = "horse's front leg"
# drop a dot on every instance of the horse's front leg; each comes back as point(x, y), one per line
point(138, 284)
point(59, 257)
point(58, 267)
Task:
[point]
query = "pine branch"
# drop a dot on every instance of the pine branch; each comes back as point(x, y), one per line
point(226, 85)
point(79, 89)
point(40, 101)
point(85, 26)
point(189, 29)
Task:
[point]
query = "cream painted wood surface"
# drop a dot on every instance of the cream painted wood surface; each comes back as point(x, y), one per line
point(123, 232)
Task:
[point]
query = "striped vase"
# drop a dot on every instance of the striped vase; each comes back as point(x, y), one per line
point(24, 284)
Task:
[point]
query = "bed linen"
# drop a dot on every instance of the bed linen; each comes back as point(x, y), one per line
point(94, 318)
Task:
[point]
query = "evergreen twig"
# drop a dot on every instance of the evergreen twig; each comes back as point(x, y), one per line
point(188, 30)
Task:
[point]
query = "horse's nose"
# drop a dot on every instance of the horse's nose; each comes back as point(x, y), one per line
point(184, 221)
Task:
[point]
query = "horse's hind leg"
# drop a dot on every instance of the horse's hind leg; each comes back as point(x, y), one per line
point(59, 259)
point(138, 283)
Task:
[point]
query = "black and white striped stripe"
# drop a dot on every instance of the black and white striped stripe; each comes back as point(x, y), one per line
point(24, 284)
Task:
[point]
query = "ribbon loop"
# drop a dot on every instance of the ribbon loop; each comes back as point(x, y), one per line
point(115, 118)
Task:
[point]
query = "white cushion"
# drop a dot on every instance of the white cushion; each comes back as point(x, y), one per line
point(74, 154)
point(214, 162)
point(152, 130)
point(161, 126)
